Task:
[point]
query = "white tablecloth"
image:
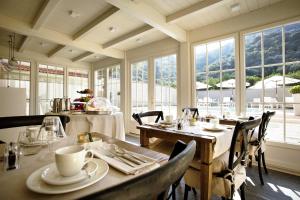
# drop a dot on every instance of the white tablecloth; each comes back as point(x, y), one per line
point(110, 125)
point(223, 138)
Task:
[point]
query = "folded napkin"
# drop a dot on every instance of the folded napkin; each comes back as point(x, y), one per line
point(107, 153)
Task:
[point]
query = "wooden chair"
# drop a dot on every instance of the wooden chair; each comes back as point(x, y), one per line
point(151, 185)
point(229, 169)
point(194, 110)
point(138, 116)
point(257, 144)
point(17, 121)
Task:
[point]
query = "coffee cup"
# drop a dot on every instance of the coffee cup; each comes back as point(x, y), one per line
point(169, 118)
point(214, 123)
point(70, 160)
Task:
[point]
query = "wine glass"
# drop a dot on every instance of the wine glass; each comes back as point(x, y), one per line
point(51, 132)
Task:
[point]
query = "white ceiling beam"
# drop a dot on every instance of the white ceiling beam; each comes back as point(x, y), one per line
point(56, 50)
point(23, 44)
point(23, 28)
point(149, 15)
point(82, 56)
point(43, 13)
point(93, 24)
point(191, 9)
point(127, 36)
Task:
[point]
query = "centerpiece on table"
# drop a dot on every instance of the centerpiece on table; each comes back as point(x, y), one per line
point(79, 104)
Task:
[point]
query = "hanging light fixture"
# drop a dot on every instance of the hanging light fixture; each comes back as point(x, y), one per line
point(12, 61)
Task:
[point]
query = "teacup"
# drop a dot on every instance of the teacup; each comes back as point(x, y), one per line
point(70, 160)
point(214, 123)
point(31, 133)
point(169, 118)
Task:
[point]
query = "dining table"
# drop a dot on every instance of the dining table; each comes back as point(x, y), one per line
point(13, 182)
point(210, 145)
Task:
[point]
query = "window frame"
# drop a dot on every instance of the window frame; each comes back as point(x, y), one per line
point(237, 69)
point(262, 66)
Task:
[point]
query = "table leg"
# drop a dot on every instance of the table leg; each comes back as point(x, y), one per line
point(144, 140)
point(206, 154)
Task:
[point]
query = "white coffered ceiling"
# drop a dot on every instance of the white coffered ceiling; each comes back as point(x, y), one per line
point(107, 28)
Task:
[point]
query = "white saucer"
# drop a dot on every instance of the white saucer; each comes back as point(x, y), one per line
point(165, 123)
point(210, 128)
point(51, 175)
point(35, 183)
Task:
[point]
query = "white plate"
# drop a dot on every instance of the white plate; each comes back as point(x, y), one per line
point(33, 144)
point(210, 128)
point(36, 184)
point(51, 175)
point(165, 123)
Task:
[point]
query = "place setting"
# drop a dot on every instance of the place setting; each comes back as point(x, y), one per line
point(74, 168)
point(121, 159)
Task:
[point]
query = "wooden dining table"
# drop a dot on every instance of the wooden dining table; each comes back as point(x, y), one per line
point(13, 182)
point(205, 150)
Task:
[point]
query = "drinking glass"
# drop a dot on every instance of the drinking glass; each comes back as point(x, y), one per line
point(51, 132)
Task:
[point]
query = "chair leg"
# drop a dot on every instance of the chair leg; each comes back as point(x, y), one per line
point(250, 161)
point(242, 188)
point(264, 162)
point(259, 167)
point(186, 191)
point(173, 192)
point(194, 190)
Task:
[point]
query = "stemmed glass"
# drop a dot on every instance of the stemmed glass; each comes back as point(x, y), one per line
point(51, 132)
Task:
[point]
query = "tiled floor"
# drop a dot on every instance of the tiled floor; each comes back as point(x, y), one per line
point(278, 185)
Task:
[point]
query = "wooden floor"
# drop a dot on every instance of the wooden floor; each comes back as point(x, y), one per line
point(278, 185)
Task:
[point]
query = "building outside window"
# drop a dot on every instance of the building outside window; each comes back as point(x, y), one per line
point(50, 85)
point(77, 80)
point(18, 78)
point(272, 67)
point(215, 77)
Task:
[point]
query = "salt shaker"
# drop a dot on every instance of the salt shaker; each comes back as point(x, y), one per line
point(11, 156)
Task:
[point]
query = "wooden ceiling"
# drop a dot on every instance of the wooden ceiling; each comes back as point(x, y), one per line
point(90, 30)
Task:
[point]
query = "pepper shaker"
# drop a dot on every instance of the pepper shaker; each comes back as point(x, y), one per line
point(11, 156)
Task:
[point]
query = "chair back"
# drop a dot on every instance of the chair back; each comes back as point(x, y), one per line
point(262, 131)
point(17, 121)
point(194, 110)
point(138, 116)
point(240, 135)
point(151, 185)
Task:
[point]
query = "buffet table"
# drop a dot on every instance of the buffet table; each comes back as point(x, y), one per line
point(111, 125)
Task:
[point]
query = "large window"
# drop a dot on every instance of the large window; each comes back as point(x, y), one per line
point(113, 85)
point(107, 84)
point(51, 85)
point(19, 78)
point(139, 87)
point(166, 84)
point(99, 82)
point(272, 67)
point(77, 80)
point(215, 77)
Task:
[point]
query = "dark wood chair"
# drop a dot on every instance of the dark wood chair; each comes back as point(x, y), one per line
point(195, 111)
point(257, 144)
point(151, 185)
point(230, 167)
point(138, 116)
point(17, 121)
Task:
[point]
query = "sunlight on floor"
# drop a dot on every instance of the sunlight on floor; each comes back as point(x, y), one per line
point(289, 192)
point(248, 179)
point(274, 188)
